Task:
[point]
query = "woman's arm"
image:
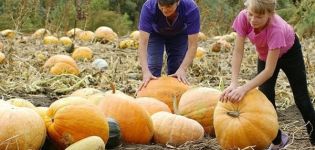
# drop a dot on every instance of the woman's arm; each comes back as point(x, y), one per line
point(190, 54)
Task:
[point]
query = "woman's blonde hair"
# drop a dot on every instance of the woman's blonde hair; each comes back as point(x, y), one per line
point(261, 6)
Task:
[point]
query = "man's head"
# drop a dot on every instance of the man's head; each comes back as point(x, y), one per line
point(168, 7)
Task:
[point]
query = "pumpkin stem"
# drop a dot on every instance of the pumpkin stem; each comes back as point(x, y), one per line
point(234, 114)
point(112, 86)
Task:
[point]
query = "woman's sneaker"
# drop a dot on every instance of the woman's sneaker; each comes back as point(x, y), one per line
point(283, 144)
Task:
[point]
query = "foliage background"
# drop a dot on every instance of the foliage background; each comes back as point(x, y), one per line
point(122, 15)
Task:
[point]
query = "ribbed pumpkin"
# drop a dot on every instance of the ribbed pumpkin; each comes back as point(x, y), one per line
point(20, 128)
point(75, 122)
point(60, 58)
point(135, 123)
point(50, 40)
point(64, 68)
point(89, 143)
point(198, 104)
point(105, 34)
point(2, 57)
point(66, 41)
point(165, 89)
point(152, 105)
point(82, 53)
point(77, 31)
point(40, 33)
point(175, 129)
point(114, 134)
point(86, 36)
point(200, 53)
point(20, 102)
point(251, 122)
point(85, 92)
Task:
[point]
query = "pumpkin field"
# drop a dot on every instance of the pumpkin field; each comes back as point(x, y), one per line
point(56, 87)
point(70, 74)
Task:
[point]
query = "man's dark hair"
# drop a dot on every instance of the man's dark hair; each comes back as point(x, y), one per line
point(167, 2)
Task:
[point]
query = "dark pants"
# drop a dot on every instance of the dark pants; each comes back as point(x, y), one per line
point(292, 64)
point(176, 47)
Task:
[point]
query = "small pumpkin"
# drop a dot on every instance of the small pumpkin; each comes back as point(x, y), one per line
point(198, 104)
point(60, 58)
point(114, 139)
point(200, 53)
point(66, 41)
point(100, 64)
point(72, 123)
point(86, 36)
point(89, 143)
point(238, 125)
point(2, 57)
point(20, 128)
point(51, 40)
point(64, 68)
point(175, 129)
point(10, 34)
point(40, 33)
point(105, 34)
point(82, 53)
point(152, 105)
point(71, 33)
point(20, 102)
point(166, 89)
point(135, 35)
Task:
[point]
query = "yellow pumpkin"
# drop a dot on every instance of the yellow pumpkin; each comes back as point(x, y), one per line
point(76, 122)
point(66, 41)
point(166, 89)
point(40, 33)
point(20, 128)
point(42, 111)
point(200, 53)
point(152, 105)
point(198, 104)
point(64, 68)
point(86, 36)
point(89, 143)
point(175, 129)
point(105, 34)
point(20, 102)
point(82, 53)
point(135, 123)
point(251, 122)
point(77, 31)
point(50, 40)
point(127, 43)
point(2, 57)
point(85, 92)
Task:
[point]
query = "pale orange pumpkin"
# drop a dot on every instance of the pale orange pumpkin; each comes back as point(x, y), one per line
point(82, 53)
point(40, 33)
point(86, 36)
point(64, 68)
point(42, 111)
point(20, 128)
point(96, 98)
point(166, 89)
point(105, 34)
point(2, 57)
point(71, 33)
point(75, 122)
point(85, 92)
point(50, 40)
point(60, 58)
point(175, 129)
point(152, 105)
point(251, 122)
point(20, 102)
point(135, 123)
point(198, 104)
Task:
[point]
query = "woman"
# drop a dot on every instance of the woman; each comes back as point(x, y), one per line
point(173, 25)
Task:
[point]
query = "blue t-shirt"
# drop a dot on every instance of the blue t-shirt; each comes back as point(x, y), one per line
point(152, 19)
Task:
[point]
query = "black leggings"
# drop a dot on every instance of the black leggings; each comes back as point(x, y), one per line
point(292, 64)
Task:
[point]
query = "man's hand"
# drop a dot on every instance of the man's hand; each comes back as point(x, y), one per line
point(147, 76)
point(181, 76)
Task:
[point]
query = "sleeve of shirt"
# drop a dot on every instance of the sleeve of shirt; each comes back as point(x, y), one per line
point(146, 20)
point(276, 39)
point(240, 24)
point(193, 22)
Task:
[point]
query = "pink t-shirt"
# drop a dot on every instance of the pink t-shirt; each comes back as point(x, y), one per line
point(277, 34)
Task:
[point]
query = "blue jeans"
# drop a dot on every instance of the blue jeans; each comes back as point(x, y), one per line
point(176, 47)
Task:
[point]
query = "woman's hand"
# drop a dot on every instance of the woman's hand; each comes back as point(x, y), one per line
point(237, 94)
point(224, 96)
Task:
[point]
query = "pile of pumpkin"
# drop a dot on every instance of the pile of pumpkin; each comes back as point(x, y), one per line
point(165, 112)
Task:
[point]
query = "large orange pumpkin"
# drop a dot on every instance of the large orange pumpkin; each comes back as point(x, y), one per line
point(167, 89)
point(20, 128)
point(135, 123)
point(152, 105)
point(251, 122)
point(175, 129)
point(75, 122)
point(198, 104)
